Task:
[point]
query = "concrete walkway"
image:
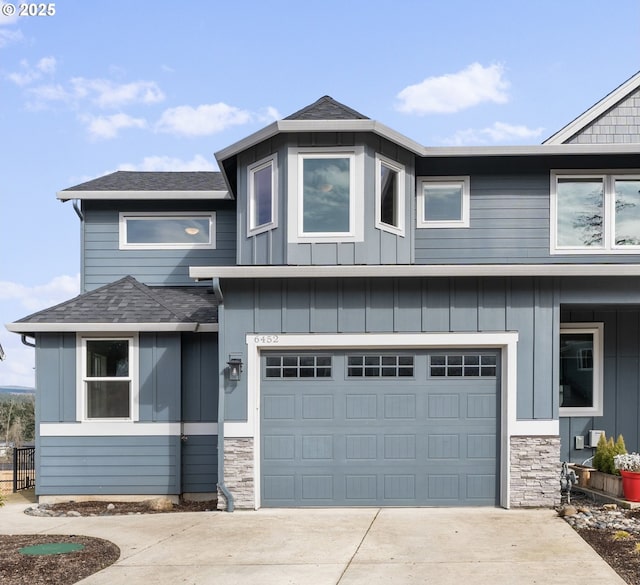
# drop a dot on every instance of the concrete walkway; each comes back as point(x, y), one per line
point(363, 546)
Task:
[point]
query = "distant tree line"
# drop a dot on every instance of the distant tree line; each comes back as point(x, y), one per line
point(17, 419)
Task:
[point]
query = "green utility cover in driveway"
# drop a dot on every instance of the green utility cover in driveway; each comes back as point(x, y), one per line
point(385, 428)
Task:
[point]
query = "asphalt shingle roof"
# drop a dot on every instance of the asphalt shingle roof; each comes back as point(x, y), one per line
point(155, 181)
point(130, 301)
point(326, 108)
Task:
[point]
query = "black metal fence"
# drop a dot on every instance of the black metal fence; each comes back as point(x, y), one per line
point(24, 468)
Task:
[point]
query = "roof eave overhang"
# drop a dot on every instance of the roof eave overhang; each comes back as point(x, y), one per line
point(143, 195)
point(399, 271)
point(298, 126)
point(31, 328)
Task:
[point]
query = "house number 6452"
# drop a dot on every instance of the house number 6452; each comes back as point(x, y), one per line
point(266, 339)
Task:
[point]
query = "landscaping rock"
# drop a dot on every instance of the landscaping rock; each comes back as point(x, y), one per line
point(160, 504)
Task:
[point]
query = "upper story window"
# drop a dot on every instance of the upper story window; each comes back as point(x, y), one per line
point(262, 181)
point(581, 369)
point(107, 386)
point(326, 194)
point(167, 231)
point(595, 213)
point(390, 181)
point(443, 202)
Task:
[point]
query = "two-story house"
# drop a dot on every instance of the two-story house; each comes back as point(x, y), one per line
point(344, 317)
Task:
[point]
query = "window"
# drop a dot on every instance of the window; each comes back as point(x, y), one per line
point(262, 183)
point(443, 202)
point(595, 214)
point(108, 369)
point(581, 375)
point(390, 179)
point(164, 231)
point(462, 366)
point(298, 366)
point(326, 195)
point(379, 366)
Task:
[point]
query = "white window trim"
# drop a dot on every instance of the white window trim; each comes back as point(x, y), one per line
point(124, 216)
point(81, 361)
point(597, 330)
point(608, 208)
point(270, 161)
point(464, 221)
point(399, 169)
point(356, 192)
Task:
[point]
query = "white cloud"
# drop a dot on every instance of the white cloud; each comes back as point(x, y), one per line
point(499, 132)
point(167, 163)
point(35, 298)
point(47, 65)
point(18, 367)
point(455, 91)
point(28, 74)
point(7, 37)
point(107, 94)
point(102, 92)
point(270, 114)
point(106, 127)
point(202, 120)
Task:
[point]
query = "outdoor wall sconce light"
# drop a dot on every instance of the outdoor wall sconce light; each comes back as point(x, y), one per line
point(235, 368)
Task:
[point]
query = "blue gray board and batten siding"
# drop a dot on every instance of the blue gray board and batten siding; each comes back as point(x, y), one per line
point(178, 381)
point(378, 247)
point(103, 262)
point(527, 305)
point(612, 302)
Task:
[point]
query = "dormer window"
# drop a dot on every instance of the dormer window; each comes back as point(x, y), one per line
point(326, 195)
point(262, 180)
point(390, 179)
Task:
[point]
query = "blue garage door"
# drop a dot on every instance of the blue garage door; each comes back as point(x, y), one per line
point(384, 428)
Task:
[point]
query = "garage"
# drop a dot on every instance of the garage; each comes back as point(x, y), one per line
point(379, 427)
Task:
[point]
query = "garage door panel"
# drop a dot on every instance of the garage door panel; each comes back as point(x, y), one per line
point(318, 407)
point(361, 406)
point(400, 406)
point(417, 440)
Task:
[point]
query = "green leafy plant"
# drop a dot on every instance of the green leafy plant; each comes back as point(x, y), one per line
point(1, 500)
point(606, 450)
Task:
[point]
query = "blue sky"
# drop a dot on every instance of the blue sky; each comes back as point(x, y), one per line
point(101, 86)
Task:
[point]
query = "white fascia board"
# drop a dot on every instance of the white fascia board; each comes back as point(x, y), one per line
point(595, 111)
point(298, 126)
point(397, 271)
point(108, 327)
point(530, 150)
point(143, 195)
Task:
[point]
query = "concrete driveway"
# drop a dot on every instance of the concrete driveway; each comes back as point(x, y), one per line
point(335, 546)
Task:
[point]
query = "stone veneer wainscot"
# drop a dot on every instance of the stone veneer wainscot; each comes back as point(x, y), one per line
point(535, 472)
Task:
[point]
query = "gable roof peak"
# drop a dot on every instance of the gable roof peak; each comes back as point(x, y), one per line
point(326, 108)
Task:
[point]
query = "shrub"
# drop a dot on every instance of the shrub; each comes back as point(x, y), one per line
point(606, 450)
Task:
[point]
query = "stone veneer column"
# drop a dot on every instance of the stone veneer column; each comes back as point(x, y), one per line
point(238, 474)
point(535, 472)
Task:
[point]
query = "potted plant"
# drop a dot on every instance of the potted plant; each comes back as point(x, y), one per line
point(607, 478)
point(628, 464)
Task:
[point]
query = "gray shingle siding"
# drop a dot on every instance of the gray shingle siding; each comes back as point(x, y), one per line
point(621, 124)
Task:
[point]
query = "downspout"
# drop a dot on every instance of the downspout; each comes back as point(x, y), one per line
point(23, 338)
point(80, 215)
point(217, 291)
